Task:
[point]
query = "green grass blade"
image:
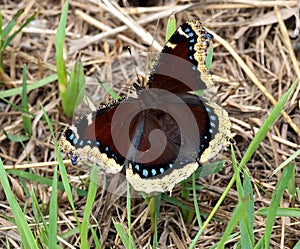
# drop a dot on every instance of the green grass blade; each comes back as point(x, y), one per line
point(209, 57)
point(284, 212)
point(287, 161)
point(38, 213)
point(174, 201)
point(266, 126)
point(244, 192)
point(208, 169)
point(88, 208)
point(30, 87)
point(292, 186)
point(66, 184)
point(108, 89)
point(11, 24)
point(39, 217)
point(35, 207)
point(231, 237)
point(122, 233)
point(43, 180)
point(238, 214)
point(236, 175)
point(26, 120)
point(16, 138)
point(62, 169)
point(11, 37)
point(198, 214)
point(247, 234)
point(128, 209)
point(60, 64)
point(75, 89)
point(157, 202)
point(185, 195)
point(97, 240)
point(52, 236)
point(1, 43)
point(275, 201)
point(259, 244)
point(18, 108)
point(27, 238)
point(171, 27)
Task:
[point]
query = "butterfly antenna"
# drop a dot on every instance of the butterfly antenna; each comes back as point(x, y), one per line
point(137, 85)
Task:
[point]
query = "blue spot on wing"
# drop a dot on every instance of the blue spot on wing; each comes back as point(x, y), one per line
point(145, 172)
point(213, 118)
point(153, 171)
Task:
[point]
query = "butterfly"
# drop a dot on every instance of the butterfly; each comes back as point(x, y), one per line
point(161, 136)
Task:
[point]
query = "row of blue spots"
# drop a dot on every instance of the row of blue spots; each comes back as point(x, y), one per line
point(82, 142)
point(145, 172)
point(110, 154)
point(191, 41)
point(74, 140)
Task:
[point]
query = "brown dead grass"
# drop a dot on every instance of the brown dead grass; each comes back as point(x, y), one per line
point(256, 59)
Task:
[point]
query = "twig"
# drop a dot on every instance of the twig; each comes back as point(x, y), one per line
point(35, 165)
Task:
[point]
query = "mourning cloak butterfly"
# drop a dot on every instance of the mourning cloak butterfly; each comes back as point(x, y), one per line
point(163, 134)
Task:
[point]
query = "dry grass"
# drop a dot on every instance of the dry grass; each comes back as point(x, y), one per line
point(256, 59)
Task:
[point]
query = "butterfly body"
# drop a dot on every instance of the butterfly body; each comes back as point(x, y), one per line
point(162, 135)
